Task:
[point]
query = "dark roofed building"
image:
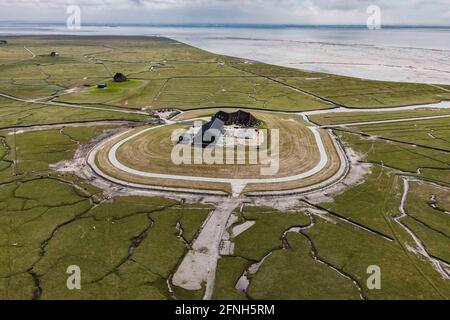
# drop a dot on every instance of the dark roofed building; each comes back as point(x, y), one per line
point(240, 118)
point(222, 115)
point(120, 77)
point(3, 42)
point(212, 130)
point(209, 133)
point(54, 54)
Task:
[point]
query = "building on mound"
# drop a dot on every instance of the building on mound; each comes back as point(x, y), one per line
point(120, 77)
point(240, 118)
point(220, 126)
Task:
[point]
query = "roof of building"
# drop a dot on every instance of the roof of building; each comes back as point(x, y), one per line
point(120, 77)
point(240, 117)
point(209, 132)
point(222, 115)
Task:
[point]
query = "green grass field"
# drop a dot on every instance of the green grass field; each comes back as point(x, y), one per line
point(135, 94)
point(130, 246)
point(419, 148)
point(167, 74)
point(433, 133)
point(42, 213)
point(18, 114)
point(371, 204)
point(330, 259)
point(306, 279)
point(272, 224)
point(357, 117)
point(351, 92)
point(426, 207)
point(353, 250)
point(104, 235)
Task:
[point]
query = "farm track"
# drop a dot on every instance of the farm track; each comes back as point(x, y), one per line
point(67, 105)
point(31, 128)
point(33, 55)
point(199, 264)
point(354, 124)
point(394, 140)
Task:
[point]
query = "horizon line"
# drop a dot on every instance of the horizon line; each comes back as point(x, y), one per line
point(224, 24)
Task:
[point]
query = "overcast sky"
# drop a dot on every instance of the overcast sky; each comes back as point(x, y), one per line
point(412, 12)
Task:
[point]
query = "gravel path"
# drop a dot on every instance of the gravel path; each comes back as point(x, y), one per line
point(67, 105)
point(199, 264)
point(354, 124)
point(33, 55)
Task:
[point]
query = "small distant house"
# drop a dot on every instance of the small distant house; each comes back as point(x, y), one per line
point(2, 42)
point(54, 54)
point(102, 85)
point(120, 77)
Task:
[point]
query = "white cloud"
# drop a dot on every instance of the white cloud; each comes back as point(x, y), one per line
point(230, 11)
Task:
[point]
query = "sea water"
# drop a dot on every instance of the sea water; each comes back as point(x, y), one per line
point(412, 54)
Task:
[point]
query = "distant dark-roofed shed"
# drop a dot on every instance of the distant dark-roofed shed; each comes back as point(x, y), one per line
point(120, 77)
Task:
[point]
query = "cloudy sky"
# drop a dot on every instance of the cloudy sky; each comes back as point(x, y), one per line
point(412, 12)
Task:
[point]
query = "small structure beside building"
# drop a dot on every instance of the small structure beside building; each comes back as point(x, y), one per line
point(120, 77)
point(54, 54)
point(102, 86)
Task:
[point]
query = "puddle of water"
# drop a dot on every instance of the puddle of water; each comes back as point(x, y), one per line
point(243, 281)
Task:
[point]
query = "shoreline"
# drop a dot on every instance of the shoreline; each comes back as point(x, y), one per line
point(353, 52)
